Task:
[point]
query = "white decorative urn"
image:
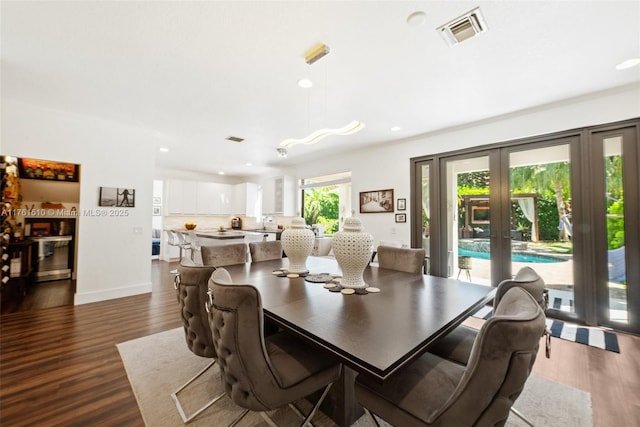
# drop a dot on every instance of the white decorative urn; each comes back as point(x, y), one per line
point(297, 243)
point(353, 248)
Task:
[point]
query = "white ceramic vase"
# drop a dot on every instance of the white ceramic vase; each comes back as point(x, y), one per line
point(353, 248)
point(297, 243)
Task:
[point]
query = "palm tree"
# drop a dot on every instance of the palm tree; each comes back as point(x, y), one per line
point(321, 207)
point(554, 177)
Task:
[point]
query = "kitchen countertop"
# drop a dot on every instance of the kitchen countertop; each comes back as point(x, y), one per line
point(222, 235)
point(260, 230)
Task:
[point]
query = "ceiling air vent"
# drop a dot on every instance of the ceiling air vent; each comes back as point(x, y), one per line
point(235, 139)
point(463, 27)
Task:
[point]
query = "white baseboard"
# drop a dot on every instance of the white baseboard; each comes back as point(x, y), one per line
point(95, 296)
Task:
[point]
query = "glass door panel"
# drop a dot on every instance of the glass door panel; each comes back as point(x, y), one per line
point(468, 220)
point(425, 215)
point(615, 227)
point(541, 221)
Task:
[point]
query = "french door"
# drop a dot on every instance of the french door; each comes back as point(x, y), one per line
point(614, 159)
point(566, 206)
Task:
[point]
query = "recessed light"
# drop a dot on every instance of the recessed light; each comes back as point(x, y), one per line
point(628, 64)
point(305, 83)
point(416, 18)
point(248, 164)
point(164, 149)
point(220, 173)
point(395, 128)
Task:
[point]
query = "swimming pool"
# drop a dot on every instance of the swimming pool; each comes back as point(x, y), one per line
point(516, 257)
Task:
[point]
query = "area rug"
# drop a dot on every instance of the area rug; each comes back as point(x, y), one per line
point(594, 337)
point(158, 364)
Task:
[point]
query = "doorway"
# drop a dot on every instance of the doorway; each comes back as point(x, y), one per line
point(40, 225)
point(614, 160)
point(566, 205)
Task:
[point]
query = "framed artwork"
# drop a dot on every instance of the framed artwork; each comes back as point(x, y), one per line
point(480, 214)
point(157, 210)
point(401, 217)
point(402, 204)
point(157, 200)
point(117, 197)
point(376, 201)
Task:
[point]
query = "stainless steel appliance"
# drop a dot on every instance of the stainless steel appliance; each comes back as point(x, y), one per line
point(55, 247)
point(53, 258)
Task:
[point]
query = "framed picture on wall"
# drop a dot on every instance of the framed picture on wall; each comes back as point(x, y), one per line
point(401, 217)
point(117, 197)
point(376, 201)
point(402, 204)
point(157, 211)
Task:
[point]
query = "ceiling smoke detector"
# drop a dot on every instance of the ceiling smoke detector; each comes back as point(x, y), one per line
point(463, 27)
point(282, 152)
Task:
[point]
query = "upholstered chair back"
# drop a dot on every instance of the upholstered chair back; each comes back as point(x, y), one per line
point(249, 364)
point(265, 251)
point(217, 256)
point(191, 285)
point(529, 280)
point(409, 260)
point(501, 360)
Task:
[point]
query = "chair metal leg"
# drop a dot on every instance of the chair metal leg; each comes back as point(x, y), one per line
point(316, 406)
point(371, 417)
point(307, 419)
point(268, 419)
point(187, 418)
point(522, 417)
point(241, 416)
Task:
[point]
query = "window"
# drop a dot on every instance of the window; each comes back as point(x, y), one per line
point(326, 201)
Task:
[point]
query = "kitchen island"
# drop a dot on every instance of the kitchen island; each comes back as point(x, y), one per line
point(221, 235)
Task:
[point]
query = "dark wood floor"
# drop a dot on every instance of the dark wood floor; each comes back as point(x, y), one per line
point(60, 366)
point(55, 293)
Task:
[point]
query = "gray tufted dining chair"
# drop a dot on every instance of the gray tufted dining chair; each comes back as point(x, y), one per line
point(262, 373)
point(410, 260)
point(456, 346)
point(433, 391)
point(191, 284)
point(230, 254)
point(265, 251)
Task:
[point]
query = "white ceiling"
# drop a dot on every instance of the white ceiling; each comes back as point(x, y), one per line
point(194, 73)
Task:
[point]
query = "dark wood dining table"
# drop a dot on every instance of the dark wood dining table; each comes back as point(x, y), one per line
point(375, 334)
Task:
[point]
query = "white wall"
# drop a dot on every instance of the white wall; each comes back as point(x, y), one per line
point(387, 165)
point(113, 261)
point(114, 251)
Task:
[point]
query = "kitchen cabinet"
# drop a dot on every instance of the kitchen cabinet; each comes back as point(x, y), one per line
point(173, 196)
point(189, 197)
point(198, 198)
point(245, 200)
point(279, 196)
point(225, 196)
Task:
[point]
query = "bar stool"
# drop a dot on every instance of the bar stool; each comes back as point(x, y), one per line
point(173, 239)
point(183, 240)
